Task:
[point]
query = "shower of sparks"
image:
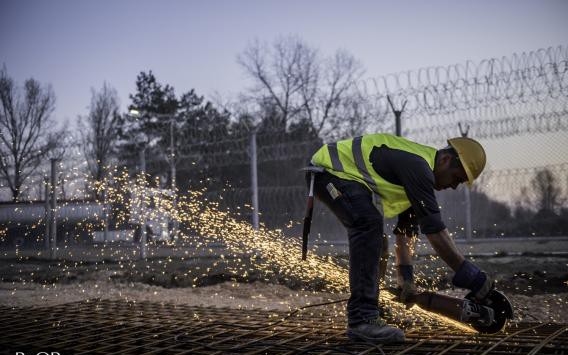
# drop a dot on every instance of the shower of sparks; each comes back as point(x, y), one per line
point(203, 222)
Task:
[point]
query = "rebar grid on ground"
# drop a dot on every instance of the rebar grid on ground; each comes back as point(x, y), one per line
point(120, 327)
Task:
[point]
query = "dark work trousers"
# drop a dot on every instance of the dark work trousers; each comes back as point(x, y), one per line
point(353, 205)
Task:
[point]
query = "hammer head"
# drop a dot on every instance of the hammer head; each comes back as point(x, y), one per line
point(313, 169)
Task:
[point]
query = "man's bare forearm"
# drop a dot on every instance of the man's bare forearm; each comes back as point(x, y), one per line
point(445, 247)
point(404, 248)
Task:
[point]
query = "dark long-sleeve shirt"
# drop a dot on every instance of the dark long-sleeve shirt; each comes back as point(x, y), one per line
point(413, 173)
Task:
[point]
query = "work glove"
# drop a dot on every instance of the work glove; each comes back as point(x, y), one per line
point(471, 277)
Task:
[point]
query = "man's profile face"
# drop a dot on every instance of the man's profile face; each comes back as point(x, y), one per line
point(446, 174)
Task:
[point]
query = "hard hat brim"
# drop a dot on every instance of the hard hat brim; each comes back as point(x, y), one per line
point(470, 177)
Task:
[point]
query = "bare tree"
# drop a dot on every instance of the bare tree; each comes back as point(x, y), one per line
point(99, 130)
point(279, 72)
point(302, 84)
point(331, 101)
point(27, 132)
point(547, 191)
point(351, 118)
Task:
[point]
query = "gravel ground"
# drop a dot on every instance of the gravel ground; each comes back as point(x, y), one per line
point(543, 308)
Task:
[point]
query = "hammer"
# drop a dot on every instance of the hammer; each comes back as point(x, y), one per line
point(309, 207)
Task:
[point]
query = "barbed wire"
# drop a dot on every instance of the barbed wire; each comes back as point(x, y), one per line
point(486, 124)
point(520, 78)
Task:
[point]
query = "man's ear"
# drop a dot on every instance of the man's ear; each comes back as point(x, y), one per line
point(445, 160)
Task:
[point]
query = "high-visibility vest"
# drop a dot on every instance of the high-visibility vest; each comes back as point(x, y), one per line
point(350, 159)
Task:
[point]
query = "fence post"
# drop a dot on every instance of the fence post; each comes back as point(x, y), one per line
point(398, 124)
point(383, 262)
point(105, 217)
point(47, 217)
point(467, 196)
point(53, 217)
point(397, 116)
point(254, 179)
point(142, 162)
point(467, 199)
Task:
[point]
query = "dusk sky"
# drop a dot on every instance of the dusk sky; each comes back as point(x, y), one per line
point(77, 45)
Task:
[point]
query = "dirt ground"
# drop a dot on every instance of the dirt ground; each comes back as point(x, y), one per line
point(536, 285)
point(541, 308)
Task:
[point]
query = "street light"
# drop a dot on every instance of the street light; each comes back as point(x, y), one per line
point(141, 140)
point(171, 155)
point(171, 159)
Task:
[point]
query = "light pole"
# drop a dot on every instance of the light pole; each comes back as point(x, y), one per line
point(53, 210)
point(254, 179)
point(172, 162)
point(140, 141)
point(142, 168)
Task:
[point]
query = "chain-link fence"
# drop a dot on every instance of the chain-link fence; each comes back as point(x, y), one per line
point(516, 106)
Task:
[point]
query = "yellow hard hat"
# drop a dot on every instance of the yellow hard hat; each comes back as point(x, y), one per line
point(471, 154)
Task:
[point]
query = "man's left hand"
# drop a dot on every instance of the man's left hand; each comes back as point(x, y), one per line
point(408, 293)
point(471, 277)
point(482, 286)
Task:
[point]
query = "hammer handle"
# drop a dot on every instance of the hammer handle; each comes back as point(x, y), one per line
point(308, 218)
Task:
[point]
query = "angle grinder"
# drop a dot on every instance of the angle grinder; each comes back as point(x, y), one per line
point(487, 318)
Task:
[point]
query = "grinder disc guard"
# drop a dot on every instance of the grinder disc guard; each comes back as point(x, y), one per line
point(502, 308)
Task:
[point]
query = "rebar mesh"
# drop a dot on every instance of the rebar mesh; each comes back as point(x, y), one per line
point(120, 327)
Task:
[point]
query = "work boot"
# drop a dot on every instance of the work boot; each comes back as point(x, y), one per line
point(375, 331)
point(407, 293)
point(385, 311)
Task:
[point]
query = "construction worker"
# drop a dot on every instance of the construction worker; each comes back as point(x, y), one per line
point(376, 175)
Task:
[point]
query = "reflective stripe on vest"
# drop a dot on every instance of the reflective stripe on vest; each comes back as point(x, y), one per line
point(360, 163)
point(357, 157)
point(334, 155)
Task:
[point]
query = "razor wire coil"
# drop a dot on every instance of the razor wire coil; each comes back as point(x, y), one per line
point(533, 76)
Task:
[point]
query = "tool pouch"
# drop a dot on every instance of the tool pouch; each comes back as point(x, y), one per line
point(340, 205)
